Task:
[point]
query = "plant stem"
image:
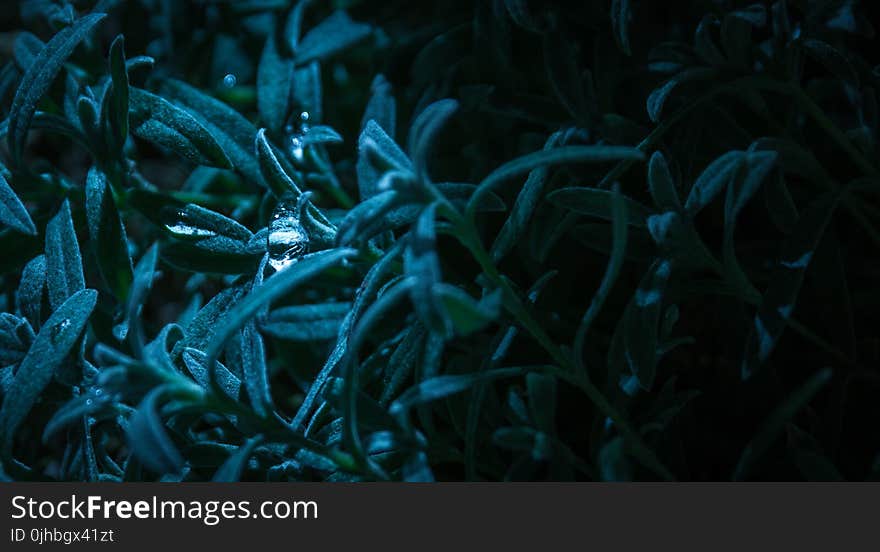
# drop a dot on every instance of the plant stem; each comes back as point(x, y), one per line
point(467, 235)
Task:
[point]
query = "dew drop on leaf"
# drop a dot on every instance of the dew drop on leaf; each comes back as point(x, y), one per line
point(229, 80)
point(179, 224)
point(287, 239)
point(59, 328)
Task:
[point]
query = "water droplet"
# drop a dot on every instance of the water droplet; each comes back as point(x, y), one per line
point(287, 239)
point(304, 116)
point(59, 328)
point(89, 401)
point(98, 392)
point(181, 224)
point(296, 147)
point(229, 80)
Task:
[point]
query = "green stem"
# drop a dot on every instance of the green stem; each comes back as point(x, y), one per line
point(468, 236)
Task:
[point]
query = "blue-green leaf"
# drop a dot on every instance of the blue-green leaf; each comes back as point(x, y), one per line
point(440, 387)
point(621, 14)
point(55, 340)
point(107, 234)
point(659, 96)
point(329, 37)
point(778, 302)
point(712, 181)
point(556, 156)
point(64, 272)
point(196, 363)
point(377, 154)
point(272, 289)
point(424, 131)
point(40, 75)
point(313, 322)
point(274, 86)
point(29, 297)
point(423, 265)
point(597, 203)
point(465, 313)
point(232, 468)
point(381, 107)
point(641, 322)
point(119, 93)
point(661, 184)
point(832, 59)
point(542, 400)
point(148, 439)
point(158, 121)
point(775, 423)
point(12, 212)
point(307, 90)
point(229, 128)
point(255, 372)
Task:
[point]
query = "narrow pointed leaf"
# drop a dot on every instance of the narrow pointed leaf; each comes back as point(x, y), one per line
point(64, 271)
point(55, 340)
point(40, 75)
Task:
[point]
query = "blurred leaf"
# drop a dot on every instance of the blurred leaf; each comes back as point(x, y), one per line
point(542, 401)
point(424, 132)
point(778, 301)
point(661, 184)
point(233, 467)
point(659, 97)
point(556, 156)
point(422, 264)
point(274, 86)
point(381, 107)
point(832, 59)
point(526, 203)
point(442, 386)
point(640, 326)
point(377, 154)
point(148, 439)
point(466, 314)
point(119, 94)
point(775, 422)
point(330, 36)
point(712, 180)
point(597, 203)
point(12, 212)
point(621, 14)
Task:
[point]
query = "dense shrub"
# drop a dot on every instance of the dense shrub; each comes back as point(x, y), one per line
point(507, 239)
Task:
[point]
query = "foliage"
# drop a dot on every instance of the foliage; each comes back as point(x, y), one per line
point(502, 240)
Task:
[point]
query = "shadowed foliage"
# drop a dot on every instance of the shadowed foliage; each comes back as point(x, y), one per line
point(504, 240)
